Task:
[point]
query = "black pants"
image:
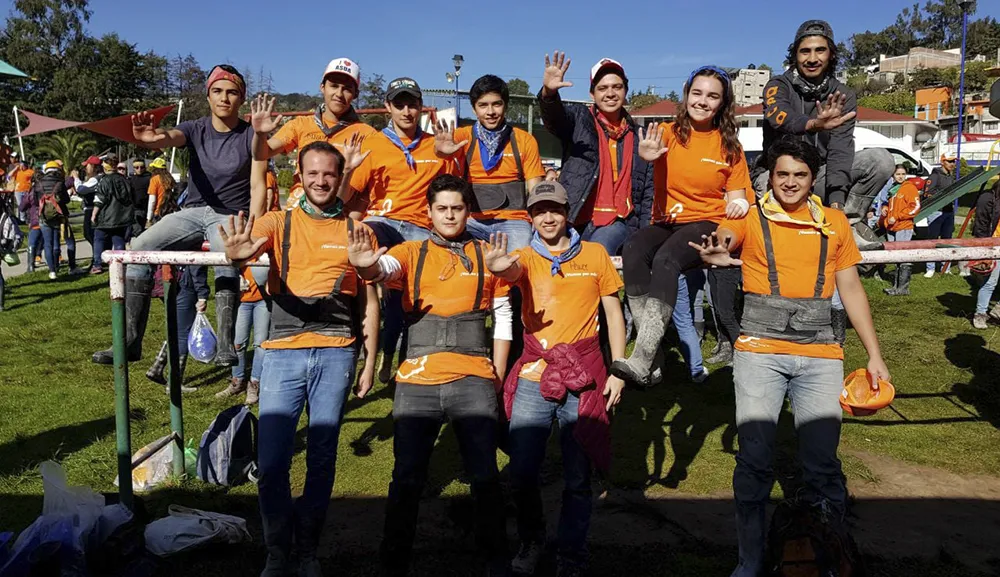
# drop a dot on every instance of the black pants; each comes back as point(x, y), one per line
point(726, 296)
point(655, 257)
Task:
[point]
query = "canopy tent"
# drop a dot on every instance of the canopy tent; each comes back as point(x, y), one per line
point(9, 71)
point(119, 127)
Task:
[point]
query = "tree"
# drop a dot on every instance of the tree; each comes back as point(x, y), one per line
point(899, 102)
point(517, 112)
point(674, 97)
point(984, 37)
point(373, 96)
point(70, 146)
point(764, 67)
point(640, 100)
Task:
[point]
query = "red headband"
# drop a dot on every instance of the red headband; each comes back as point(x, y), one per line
point(220, 74)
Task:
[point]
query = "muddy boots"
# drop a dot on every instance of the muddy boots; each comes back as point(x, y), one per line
point(651, 320)
point(155, 372)
point(137, 294)
point(902, 285)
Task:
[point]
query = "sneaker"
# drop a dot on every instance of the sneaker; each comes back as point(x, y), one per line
point(77, 271)
point(980, 321)
point(236, 386)
point(96, 270)
point(963, 271)
point(527, 558)
point(52, 276)
point(929, 274)
point(995, 312)
point(700, 377)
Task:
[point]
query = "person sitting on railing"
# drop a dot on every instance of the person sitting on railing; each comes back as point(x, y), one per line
point(320, 308)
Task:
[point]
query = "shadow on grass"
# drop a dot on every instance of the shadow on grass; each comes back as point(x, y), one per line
point(18, 299)
point(24, 452)
point(958, 305)
point(967, 351)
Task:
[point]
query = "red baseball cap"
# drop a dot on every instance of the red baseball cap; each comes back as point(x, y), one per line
point(92, 160)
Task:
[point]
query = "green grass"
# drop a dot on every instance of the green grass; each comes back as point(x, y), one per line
point(675, 439)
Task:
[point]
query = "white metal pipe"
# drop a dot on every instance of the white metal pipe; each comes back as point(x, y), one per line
point(20, 141)
point(154, 257)
point(117, 279)
point(173, 151)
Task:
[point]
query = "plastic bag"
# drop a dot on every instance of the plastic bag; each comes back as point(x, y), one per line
point(186, 528)
point(159, 467)
point(201, 340)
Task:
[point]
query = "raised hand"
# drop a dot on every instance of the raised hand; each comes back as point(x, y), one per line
point(236, 237)
point(260, 115)
point(830, 114)
point(496, 257)
point(555, 72)
point(144, 128)
point(651, 142)
point(715, 252)
point(359, 248)
point(444, 139)
point(353, 156)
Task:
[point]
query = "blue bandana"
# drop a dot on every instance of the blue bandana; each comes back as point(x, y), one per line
point(491, 144)
point(567, 255)
point(390, 133)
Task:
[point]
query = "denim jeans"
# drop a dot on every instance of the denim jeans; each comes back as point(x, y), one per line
point(530, 424)
point(390, 232)
point(50, 239)
point(900, 236)
point(611, 237)
point(36, 247)
point(185, 229)
point(418, 411)
point(941, 226)
point(254, 316)
point(813, 385)
point(687, 285)
point(318, 379)
point(986, 292)
point(187, 299)
point(116, 237)
point(518, 231)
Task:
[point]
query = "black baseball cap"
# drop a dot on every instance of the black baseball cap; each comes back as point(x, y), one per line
point(815, 28)
point(403, 85)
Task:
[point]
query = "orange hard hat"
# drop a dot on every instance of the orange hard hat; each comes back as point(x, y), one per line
point(983, 267)
point(860, 399)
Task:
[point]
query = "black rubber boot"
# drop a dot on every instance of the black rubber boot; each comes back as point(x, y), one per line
point(652, 323)
point(278, 542)
point(155, 372)
point(137, 294)
point(227, 303)
point(838, 318)
point(902, 286)
point(181, 364)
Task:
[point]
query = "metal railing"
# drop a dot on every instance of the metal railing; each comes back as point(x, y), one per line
point(118, 260)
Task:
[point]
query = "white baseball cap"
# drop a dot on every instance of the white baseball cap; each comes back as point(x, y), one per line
point(344, 66)
point(610, 64)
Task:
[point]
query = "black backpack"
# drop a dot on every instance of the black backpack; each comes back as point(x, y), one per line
point(808, 540)
point(227, 455)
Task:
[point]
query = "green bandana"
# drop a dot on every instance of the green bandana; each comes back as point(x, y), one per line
point(333, 212)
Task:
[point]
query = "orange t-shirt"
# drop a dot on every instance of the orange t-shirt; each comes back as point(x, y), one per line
point(796, 255)
point(394, 189)
point(271, 183)
point(446, 289)
point(156, 190)
point(564, 308)
point(317, 258)
point(22, 180)
point(904, 206)
point(505, 171)
point(691, 181)
point(250, 294)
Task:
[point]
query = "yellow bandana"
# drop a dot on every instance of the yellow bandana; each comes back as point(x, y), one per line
point(773, 211)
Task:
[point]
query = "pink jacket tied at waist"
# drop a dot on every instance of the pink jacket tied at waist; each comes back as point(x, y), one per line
point(571, 368)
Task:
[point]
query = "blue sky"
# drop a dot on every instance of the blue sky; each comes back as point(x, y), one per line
point(659, 42)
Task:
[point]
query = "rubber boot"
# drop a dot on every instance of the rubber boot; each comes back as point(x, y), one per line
point(278, 541)
point(30, 264)
point(137, 294)
point(838, 318)
point(652, 322)
point(227, 302)
point(902, 285)
point(181, 365)
point(155, 372)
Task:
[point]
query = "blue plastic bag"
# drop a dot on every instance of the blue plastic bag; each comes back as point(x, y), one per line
point(201, 340)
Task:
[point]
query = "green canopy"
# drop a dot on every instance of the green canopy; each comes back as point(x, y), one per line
point(8, 70)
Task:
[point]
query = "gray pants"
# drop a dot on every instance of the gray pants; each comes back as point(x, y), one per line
point(871, 169)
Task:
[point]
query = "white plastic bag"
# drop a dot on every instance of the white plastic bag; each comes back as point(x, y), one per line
point(201, 340)
point(157, 468)
point(184, 528)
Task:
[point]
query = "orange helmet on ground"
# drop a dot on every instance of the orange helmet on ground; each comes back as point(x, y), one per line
point(983, 267)
point(860, 399)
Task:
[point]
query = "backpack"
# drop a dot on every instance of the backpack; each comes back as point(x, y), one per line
point(810, 541)
point(11, 237)
point(49, 210)
point(227, 454)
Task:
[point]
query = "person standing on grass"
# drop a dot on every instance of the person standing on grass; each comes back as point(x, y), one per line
point(85, 189)
point(450, 373)
point(987, 225)
point(708, 180)
point(113, 212)
point(941, 224)
point(561, 376)
point(23, 176)
point(162, 196)
point(897, 219)
point(140, 181)
point(320, 308)
point(392, 182)
point(794, 252)
point(219, 187)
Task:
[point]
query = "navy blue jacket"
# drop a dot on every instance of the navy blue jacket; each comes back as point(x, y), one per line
point(573, 124)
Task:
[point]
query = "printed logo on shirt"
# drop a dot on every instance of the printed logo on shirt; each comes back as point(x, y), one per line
point(713, 161)
point(426, 161)
point(334, 246)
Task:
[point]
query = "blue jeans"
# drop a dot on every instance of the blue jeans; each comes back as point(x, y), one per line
point(689, 283)
point(518, 231)
point(35, 247)
point(611, 237)
point(900, 236)
point(185, 229)
point(390, 232)
point(50, 238)
point(986, 292)
point(254, 316)
point(187, 299)
point(418, 411)
point(116, 236)
point(318, 379)
point(941, 226)
point(813, 386)
point(530, 424)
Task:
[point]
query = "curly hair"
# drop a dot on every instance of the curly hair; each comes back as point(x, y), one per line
point(791, 61)
point(725, 117)
point(169, 202)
